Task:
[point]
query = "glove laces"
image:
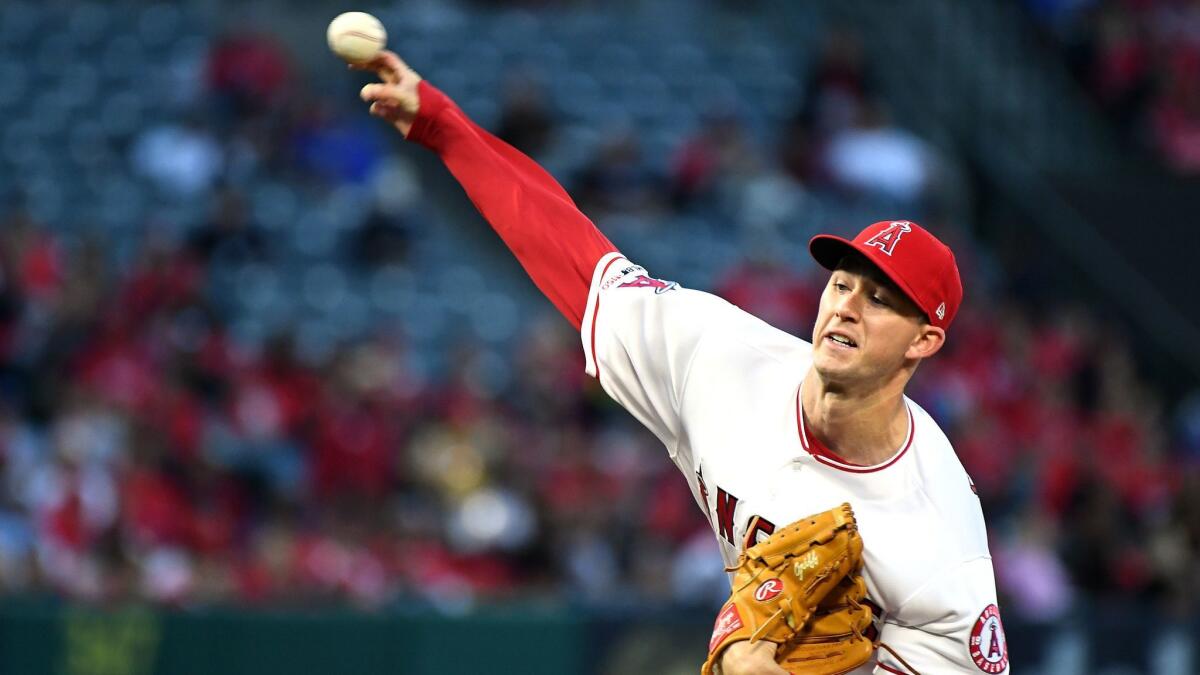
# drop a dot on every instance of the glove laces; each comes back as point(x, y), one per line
point(878, 644)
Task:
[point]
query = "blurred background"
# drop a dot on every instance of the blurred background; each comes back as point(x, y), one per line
point(274, 399)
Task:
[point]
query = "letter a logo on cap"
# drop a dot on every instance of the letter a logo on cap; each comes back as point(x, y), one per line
point(887, 239)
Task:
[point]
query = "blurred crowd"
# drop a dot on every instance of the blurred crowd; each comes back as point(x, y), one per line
point(1140, 60)
point(146, 453)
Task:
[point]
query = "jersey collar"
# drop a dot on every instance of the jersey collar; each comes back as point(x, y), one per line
point(813, 446)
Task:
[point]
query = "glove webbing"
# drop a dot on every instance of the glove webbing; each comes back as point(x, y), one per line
point(877, 644)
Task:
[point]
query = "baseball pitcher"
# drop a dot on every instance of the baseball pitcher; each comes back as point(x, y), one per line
point(853, 535)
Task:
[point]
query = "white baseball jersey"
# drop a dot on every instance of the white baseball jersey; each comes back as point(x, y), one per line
point(720, 389)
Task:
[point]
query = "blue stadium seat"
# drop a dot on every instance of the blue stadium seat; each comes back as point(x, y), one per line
point(19, 23)
point(122, 113)
point(494, 317)
point(274, 205)
point(122, 57)
point(258, 288)
point(159, 25)
point(313, 235)
point(391, 289)
point(425, 318)
point(89, 23)
point(13, 82)
point(324, 287)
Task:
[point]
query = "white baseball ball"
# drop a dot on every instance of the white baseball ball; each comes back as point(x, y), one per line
point(356, 36)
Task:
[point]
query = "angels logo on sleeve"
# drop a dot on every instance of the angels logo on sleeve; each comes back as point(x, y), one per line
point(643, 281)
point(989, 648)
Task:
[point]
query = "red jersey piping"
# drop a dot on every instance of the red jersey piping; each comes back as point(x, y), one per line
point(596, 314)
point(813, 446)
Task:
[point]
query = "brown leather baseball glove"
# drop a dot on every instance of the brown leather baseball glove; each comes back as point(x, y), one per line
point(834, 640)
point(802, 589)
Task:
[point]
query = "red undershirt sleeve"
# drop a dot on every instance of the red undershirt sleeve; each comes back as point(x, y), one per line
point(556, 244)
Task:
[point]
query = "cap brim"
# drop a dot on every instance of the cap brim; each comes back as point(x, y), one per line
point(828, 250)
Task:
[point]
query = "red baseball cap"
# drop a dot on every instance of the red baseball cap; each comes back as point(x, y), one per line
point(918, 262)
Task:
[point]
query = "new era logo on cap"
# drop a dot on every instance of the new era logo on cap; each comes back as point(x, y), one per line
point(918, 262)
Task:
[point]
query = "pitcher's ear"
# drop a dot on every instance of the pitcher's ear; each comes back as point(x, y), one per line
point(927, 342)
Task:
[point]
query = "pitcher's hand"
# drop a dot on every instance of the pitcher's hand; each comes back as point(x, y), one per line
point(395, 99)
point(744, 658)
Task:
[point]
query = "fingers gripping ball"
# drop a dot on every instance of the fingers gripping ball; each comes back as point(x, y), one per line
point(780, 583)
point(356, 36)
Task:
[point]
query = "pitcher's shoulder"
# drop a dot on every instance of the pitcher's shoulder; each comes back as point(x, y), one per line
point(943, 478)
point(937, 461)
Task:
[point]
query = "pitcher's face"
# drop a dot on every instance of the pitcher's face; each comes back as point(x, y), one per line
point(866, 327)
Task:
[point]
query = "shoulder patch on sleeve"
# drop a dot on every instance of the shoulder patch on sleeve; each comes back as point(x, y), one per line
point(630, 275)
point(643, 281)
point(623, 273)
point(989, 647)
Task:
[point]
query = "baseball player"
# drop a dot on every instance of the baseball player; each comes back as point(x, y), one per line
point(765, 427)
